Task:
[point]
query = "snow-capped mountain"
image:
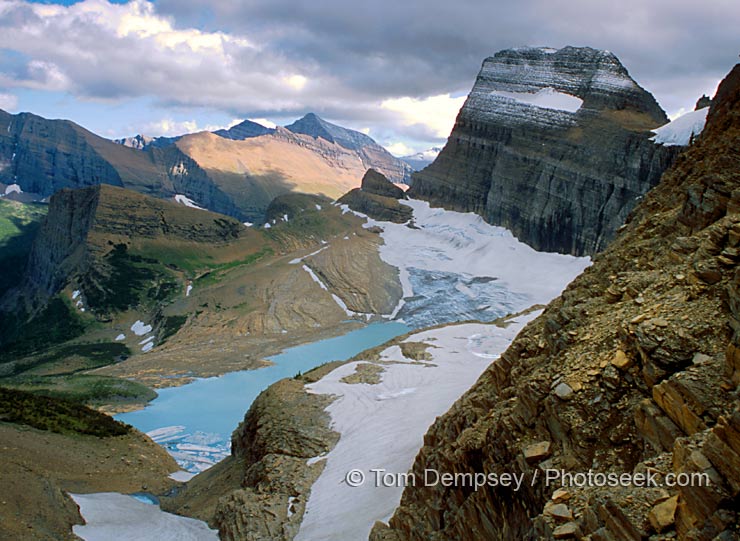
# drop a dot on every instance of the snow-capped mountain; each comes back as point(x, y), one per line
point(421, 159)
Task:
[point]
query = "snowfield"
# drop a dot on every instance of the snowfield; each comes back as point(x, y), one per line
point(680, 131)
point(382, 426)
point(464, 244)
point(109, 516)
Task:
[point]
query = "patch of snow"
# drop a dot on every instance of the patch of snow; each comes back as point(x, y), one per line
point(314, 277)
point(285, 217)
point(546, 98)
point(75, 294)
point(291, 501)
point(184, 200)
point(680, 131)
point(13, 188)
point(313, 460)
point(120, 337)
point(188, 290)
point(267, 225)
point(318, 207)
point(147, 347)
point(383, 425)
point(140, 328)
point(146, 340)
point(346, 237)
point(182, 476)
point(110, 515)
point(248, 224)
point(299, 259)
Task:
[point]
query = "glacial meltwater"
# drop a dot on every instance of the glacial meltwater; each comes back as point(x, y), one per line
point(194, 422)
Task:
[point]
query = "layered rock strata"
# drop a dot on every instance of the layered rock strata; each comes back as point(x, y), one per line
point(553, 145)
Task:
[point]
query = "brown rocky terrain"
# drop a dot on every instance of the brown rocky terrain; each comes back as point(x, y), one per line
point(560, 179)
point(38, 468)
point(635, 368)
point(377, 197)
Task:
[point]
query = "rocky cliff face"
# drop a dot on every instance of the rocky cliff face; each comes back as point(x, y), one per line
point(80, 223)
point(635, 368)
point(552, 144)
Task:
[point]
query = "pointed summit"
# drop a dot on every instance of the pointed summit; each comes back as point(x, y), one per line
point(316, 127)
point(244, 130)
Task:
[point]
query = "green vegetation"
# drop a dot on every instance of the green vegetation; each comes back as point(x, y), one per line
point(57, 323)
point(71, 358)
point(19, 223)
point(56, 415)
point(216, 272)
point(84, 388)
point(125, 280)
point(170, 326)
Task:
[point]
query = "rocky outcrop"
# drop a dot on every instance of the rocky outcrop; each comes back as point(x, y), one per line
point(634, 369)
point(553, 145)
point(378, 198)
point(370, 153)
point(260, 492)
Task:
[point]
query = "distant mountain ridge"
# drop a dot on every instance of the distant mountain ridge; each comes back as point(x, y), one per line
point(43, 156)
point(371, 153)
point(421, 159)
point(243, 130)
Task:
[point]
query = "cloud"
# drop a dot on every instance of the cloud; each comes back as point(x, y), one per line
point(393, 67)
point(437, 113)
point(168, 127)
point(264, 122)
point(399, 149)
point(8, 102)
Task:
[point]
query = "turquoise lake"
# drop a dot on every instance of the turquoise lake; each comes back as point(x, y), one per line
point(194, 422)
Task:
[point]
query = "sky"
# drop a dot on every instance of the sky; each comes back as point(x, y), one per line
point(396, 70)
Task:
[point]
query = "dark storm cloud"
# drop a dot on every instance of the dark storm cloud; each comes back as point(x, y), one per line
point(396, 67)
point(420, 48)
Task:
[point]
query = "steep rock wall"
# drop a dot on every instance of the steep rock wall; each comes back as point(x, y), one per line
point(553, 145)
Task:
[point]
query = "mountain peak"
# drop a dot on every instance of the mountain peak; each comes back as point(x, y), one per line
point(244, 130)
point(313, 125)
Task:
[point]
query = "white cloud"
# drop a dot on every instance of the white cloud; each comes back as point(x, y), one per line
point(263, 121)
point(399, 149)
point(296, 82)
point(8, 102)
point(437, 113)
point(168, 127)
point(95, 49)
